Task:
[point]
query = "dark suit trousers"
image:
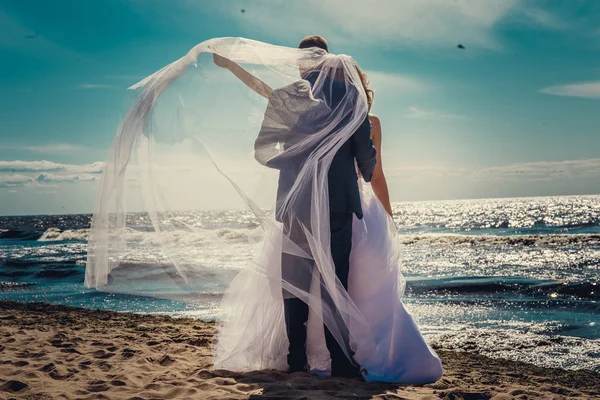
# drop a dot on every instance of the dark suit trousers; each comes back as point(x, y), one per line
point(296, 310)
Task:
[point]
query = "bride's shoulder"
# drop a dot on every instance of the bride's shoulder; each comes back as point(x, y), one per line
point(374, 119)
point(375, 123)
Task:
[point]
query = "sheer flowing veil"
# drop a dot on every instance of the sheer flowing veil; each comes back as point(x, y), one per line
point(195, 139)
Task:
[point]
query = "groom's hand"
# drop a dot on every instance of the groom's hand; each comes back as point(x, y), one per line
point(221, 61)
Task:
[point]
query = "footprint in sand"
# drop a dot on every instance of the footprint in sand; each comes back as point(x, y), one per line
point(166, 360)
point(103, 366)
point(97, 386)
point(70, 351)
point(60, 343)
point(48, 367)
point(128, 353)
point(13, 386)
point(458, 394)
point(20, 363)
point(102, 354)
point(199, 342)
point(27, 354)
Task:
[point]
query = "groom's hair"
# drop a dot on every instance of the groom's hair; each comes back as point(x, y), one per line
point(314, 41)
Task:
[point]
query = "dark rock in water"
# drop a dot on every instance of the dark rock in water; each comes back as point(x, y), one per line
point(57, 273)
point(568, 290)
point(22, 234)
point(14, 274)
point(28, 262)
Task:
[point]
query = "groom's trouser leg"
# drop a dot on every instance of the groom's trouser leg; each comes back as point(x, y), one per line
point(296, 316)
point(341, 246)
point(296, 271)
point(296, 310)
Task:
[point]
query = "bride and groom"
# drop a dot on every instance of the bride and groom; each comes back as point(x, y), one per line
point(324, 288)
point(331, 296)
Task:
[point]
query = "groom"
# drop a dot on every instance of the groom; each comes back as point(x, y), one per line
point(344, 203)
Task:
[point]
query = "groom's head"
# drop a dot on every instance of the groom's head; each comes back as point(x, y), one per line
point(314, 41)
point(308, 65)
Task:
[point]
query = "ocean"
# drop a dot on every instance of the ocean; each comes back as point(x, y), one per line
point(512, 278)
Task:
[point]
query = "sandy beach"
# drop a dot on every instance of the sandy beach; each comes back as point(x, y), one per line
point(56, 352)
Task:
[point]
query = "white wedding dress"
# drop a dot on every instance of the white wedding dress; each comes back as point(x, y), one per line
point(189, 142)
point(376, 285)
point(253, 337)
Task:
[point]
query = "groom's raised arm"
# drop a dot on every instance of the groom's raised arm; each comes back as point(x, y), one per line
point(364, 152)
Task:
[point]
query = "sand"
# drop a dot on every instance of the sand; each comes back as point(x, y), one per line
point(56, 352)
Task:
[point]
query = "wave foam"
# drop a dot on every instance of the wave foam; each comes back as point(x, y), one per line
point(55, 234)
point(491, 240)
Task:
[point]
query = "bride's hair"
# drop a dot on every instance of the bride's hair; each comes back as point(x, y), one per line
point(365, 83)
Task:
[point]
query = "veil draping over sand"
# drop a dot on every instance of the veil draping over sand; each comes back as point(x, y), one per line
point(197, 138)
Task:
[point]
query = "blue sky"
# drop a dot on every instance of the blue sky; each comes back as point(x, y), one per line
point(515, 113)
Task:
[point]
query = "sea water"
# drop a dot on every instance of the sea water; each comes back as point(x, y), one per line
point(514, 278)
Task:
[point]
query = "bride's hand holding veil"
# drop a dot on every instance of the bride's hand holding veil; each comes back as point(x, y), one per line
point(221, 61)
point(246, 77)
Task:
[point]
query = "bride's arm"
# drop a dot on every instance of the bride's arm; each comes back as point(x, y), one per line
point(378, 182)
point(250, 80)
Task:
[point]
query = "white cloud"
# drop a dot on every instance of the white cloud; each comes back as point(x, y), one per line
point(438, 23)
point(20, 180)
point(126, 77)
point(14, 180)
point(87, 85)
point(541, 170)
point(543, 18)
point(450, 181)
point(49, 148)
point(382, 81)
point(47, 178)
point(48, 166)
point(590, 90)
point(419, 21)
point(418, 112)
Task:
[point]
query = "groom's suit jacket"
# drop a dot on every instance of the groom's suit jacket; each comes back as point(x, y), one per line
point(292, 113)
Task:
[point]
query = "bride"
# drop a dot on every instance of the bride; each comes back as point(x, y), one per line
point(308, 120)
